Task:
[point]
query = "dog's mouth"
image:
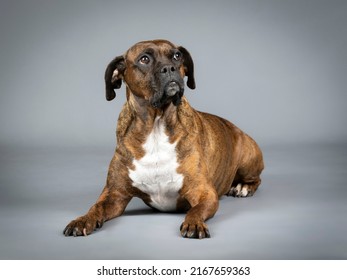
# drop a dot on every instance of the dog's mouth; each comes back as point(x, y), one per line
point(171, 89)
point(171, 92)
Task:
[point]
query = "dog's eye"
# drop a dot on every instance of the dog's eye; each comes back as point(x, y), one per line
point(144, 59)
point(177, 56)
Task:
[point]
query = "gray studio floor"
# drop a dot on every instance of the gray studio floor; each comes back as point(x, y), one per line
point(299, 212)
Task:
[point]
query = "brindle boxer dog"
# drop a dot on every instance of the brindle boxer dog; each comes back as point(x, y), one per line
point(171, 156)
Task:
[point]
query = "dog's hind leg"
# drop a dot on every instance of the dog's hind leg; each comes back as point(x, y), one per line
point(247, 178)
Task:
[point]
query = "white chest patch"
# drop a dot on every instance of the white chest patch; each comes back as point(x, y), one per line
point(155, 174)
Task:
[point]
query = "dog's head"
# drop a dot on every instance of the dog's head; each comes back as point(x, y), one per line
point(152, 70)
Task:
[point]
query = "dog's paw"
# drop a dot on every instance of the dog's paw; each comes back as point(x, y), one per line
point(194, 230)
point(240, 191)
point(84, 225)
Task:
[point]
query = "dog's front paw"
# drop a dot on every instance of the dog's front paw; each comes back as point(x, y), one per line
point(194, 230)
point(83, 225)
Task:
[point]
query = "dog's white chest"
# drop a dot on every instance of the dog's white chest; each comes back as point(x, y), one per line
point(156, 173)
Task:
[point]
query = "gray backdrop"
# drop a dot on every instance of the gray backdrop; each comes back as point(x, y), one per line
point(277, 69)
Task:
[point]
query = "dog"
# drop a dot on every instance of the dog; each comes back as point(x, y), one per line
point(168, 154)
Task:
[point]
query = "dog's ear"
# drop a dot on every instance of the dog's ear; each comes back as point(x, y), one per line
point(113, 76)
point(189, 67)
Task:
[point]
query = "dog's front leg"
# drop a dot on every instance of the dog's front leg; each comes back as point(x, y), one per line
point(203, 206)
point(110, 204)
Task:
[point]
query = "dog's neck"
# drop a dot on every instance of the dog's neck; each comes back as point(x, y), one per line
point(147, 113)
point(144, 116)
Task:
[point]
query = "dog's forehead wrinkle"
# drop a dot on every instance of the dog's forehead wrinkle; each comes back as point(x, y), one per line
point(150, 51)
point(157, 47)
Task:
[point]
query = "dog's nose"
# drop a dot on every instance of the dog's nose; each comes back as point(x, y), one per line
point(168, 69)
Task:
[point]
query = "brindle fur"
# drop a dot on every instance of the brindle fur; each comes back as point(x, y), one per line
point(214, 156)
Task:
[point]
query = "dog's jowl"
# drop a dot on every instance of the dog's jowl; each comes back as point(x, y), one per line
point(168, 154)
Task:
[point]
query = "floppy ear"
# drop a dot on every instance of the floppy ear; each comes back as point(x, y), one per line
point(189, 67)
point(113, 76)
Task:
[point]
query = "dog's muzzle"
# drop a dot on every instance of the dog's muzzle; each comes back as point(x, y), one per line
point(170, 89)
